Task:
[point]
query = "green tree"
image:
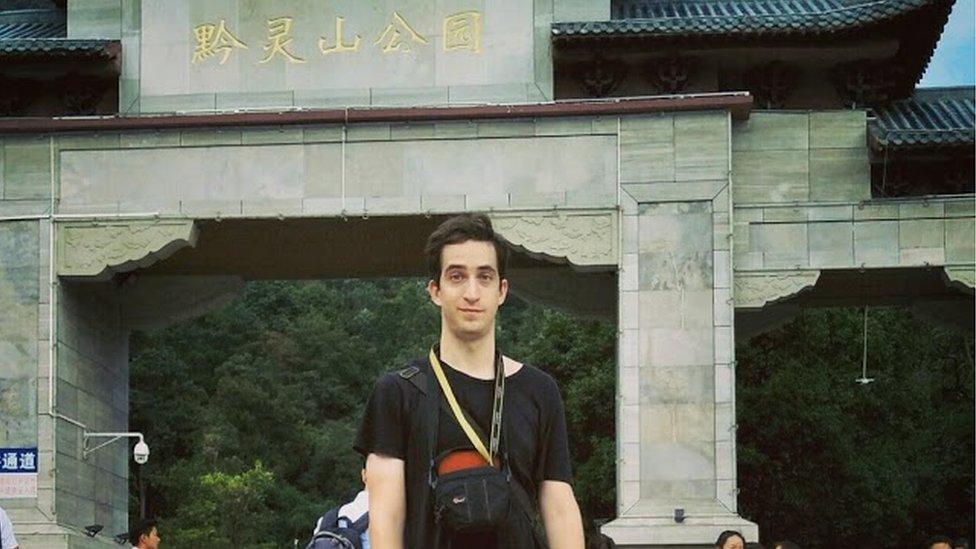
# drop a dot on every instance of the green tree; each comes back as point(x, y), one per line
point(833, 463)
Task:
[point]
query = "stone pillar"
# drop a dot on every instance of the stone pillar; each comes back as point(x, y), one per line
point(676, 474)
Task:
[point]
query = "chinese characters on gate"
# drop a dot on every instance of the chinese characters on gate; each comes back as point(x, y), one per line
point(461, 31)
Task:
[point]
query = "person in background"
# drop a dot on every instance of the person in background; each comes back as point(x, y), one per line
point(348, 522)
point(785, 545)
point(7, 539)
point(730, 539)
point(144, 535)
point(939, 542)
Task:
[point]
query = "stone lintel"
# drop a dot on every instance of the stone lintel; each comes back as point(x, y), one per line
point(583, 238)
point(755, 290)
point(98, 249)
point(694, 531)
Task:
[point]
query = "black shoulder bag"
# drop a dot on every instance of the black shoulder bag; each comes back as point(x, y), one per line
point(475, 499)
point(481, 498)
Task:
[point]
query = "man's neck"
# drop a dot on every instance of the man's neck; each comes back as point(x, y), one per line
point(475, 358)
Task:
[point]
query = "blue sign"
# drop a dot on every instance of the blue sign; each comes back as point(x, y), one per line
point(18, 460)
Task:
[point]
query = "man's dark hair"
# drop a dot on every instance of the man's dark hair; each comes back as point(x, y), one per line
point(724, 537)
point(785, 545)
point(961, 543)
point(938, 539)
point(459, 229)
point(142, 528)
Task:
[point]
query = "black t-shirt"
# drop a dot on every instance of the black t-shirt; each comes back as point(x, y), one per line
point(533, 420)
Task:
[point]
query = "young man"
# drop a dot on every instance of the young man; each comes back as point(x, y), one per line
point(144, 535)
point(466, 265)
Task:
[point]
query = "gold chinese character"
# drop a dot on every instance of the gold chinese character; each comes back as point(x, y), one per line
point(394, 38)
point(278, 40)
point(212, 39)
point(463, 31)
point(339, 46)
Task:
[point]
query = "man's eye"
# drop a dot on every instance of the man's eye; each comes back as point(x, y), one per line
point(456, 277)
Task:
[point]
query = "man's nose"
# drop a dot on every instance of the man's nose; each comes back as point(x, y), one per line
point(471, 290)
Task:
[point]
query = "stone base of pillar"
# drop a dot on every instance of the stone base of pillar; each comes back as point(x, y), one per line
point(664, 532)
point(55, 537)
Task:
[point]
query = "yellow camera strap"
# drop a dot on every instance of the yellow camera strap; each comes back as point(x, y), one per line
point(459, 413)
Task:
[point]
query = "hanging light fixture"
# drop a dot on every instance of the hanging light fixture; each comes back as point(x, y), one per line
point(864, 379)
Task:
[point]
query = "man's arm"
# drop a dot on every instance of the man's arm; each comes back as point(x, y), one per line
point(560, 515)
point(386, 485)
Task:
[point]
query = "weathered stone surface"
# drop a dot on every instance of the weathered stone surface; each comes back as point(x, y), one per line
point(764, 176)
point(701, 146)
point(647, 149)
point(783, 245)
point(838, 130)
point(675, 270)
point(19, 295)
point(769, 130)
point(959, 241)
point(876, 243)
point(840, 175)
point(26, 168)
point(921, 241)
point(831, 244)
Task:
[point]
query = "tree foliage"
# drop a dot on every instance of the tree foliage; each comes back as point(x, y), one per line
point(834, 463)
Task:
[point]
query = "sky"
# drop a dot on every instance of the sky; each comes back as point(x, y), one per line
point(954, 61)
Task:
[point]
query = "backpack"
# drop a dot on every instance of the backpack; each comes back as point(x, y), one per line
point(331, 532)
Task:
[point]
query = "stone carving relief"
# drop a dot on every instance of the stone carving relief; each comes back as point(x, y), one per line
point(753, 291)
point(601, 77)
point(583, 239)
point(81, 94)
point(99, 250)
point(771, 83)
point(866, 83)
point(670, 74)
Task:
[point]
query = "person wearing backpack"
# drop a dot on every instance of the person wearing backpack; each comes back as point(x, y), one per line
point(7, 539)
point(346, 526)
point(465, 447)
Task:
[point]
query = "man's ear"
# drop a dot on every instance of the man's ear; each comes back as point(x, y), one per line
point(502, 291)
point(434, 290)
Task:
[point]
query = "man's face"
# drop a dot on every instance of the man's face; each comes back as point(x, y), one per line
point(150, 541)
point(470, 290)
point(734, 542)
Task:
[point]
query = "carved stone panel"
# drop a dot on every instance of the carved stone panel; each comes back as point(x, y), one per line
point(756, 290)
point(99, 250)
point(582, 238)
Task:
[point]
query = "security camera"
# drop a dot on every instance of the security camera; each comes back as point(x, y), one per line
point(141, 452)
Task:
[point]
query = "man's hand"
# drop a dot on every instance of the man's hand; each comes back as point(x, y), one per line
point(386, 485)
point(561, 515)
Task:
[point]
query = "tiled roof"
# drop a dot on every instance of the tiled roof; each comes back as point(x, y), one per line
point(57, 46)
point(21, 24)
point(744, 17)
point(42, 32)
point(931, 117)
